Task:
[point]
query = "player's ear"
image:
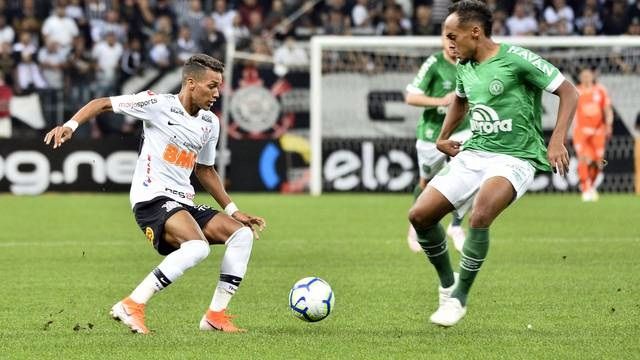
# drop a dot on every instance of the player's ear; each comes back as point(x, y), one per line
point(191, 83)
point(475, 32)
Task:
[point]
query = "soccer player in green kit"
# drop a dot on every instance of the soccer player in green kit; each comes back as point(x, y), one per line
point(501, 86)
point(433, 90)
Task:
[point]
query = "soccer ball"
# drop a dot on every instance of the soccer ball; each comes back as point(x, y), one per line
point(311, 299)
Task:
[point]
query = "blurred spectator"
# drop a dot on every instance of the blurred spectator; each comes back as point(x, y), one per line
point(163, 8)
point(224, 18)
point(52, 62)
point(7, 35)
point(498, 28)
point(28, 73)
point(290, 54)
point(589, 20)
point(422, 24)
point(95, 10)
point(247, 8)
point(559, 18)
point(634, 27)
point(181, 7)
point(28, 20)
point(7, 63)
point(138, 17)
point(75, 11)
point(522, 21)
point(185, 45)
point(160, 54)
point(275, 15)
point(60, 28)
point(5, 115)
point(337, 24)
point(80, 74)
point(106, 55)
point(164, 25)
point(360, 14)
point(255, 24)
point(131, 62)
point(25, 44)
point(213, 41)
point(615, 19)
point(193, 18)
point(111, 24)
point(240, 33)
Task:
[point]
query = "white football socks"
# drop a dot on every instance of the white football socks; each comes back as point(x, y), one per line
point(170, 269)
point(234, 266)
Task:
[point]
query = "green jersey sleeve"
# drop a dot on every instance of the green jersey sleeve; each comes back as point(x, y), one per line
point(422, 82)
point(533, 69)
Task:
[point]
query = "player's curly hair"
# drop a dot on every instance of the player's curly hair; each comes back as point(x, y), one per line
point(473, 11)
point(198, 63)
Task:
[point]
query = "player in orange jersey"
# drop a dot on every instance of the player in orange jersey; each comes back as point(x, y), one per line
point(593, 127)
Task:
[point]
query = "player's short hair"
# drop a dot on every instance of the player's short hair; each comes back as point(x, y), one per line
point(473, 11)
point(197, 64)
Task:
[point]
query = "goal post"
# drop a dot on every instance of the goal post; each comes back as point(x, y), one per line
point(355, 102)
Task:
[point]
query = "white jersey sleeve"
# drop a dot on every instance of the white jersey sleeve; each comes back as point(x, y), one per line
point(207, 156)
point(141, 105)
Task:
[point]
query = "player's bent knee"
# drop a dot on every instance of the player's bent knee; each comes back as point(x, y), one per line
point(419, 218)
point(480, 218)
point(198, 250)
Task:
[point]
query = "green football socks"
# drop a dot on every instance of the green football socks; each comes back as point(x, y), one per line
point(434, 243)
point(474, 252)
point(417, 190)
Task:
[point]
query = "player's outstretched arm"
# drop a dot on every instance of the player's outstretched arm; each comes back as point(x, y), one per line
point(455, 115)
point(93, 108)
point(556, 151)
point(210, 180)
point(423, 100)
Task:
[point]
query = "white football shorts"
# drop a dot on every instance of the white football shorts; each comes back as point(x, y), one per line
point(460, 180)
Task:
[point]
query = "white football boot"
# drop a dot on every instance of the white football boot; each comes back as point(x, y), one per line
point(412, 240)
point(445, 293)
point(456, 233)
point(449, 313)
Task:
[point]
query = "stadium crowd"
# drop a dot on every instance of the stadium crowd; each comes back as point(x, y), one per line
point(57, 48)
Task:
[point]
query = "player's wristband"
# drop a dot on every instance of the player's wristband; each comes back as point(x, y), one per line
point(71, 124)
point(230, 208)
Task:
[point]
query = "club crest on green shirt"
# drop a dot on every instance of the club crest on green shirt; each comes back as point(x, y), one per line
point(496, 87)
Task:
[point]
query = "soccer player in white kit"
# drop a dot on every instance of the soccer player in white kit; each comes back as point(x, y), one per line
point(180, 136)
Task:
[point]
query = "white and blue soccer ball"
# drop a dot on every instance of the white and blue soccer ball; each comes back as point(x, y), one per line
point(311, 299)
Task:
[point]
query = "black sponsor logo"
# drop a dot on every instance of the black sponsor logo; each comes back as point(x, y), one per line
point(171, 123)
point(181, 194)
point(207, 118)
point(162, 278)
point(177, 110)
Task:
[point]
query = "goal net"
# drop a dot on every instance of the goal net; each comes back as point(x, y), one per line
point(363, 134)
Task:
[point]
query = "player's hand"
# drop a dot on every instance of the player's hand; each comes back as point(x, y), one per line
point(558, 157)
point(255, 223)
point(449, 147)
point(59, 135)
point(448, 99)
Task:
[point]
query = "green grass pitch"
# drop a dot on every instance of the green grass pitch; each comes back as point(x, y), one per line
point(570, 270)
